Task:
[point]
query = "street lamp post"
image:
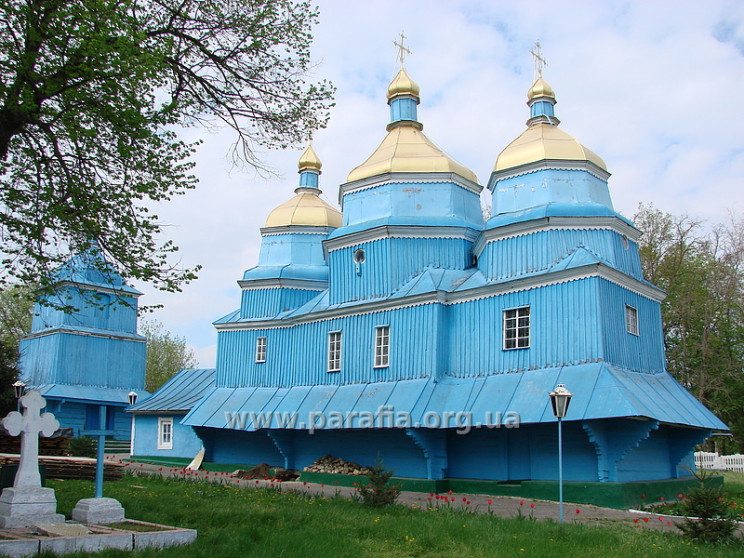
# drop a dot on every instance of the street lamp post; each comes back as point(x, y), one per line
point(132, 400)
point(19, 388)
point(560, 397)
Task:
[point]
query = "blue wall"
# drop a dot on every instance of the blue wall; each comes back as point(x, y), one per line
point(296, 248)
point(266, 303)
point(80, 359)
point(391, 262)
point(515, 256)
point(185, 441)
point(93, 310)
point(298, 355)
point(528, 452)
point(414, 199)
point(548, 186)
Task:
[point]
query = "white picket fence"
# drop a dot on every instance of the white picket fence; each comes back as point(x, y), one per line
point(711, 460)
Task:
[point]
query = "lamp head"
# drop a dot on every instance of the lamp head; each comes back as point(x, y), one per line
point(560, 397)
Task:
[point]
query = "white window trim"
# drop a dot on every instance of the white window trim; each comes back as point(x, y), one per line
point(632, 327)
point(165, 442)
point(261, 349)
point(382, 346)
point(517, 327)
point(334, 353)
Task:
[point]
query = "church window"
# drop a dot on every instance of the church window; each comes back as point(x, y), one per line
point(165, 433)
point(334, 351)
point(631, 320)
point(382, 346)
point(261, 349)
point(517, 328)
point(360, 256)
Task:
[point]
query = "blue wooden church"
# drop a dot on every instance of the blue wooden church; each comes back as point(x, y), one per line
point(411, 329)
point(89, 357)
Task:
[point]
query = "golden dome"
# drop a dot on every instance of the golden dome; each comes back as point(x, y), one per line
point(544, 141)
point(309, 160)
point(306, 208)
point(407, 149)
point(540, 88)
point(402, 85)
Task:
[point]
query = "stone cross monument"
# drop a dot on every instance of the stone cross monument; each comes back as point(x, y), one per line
point(28, 503)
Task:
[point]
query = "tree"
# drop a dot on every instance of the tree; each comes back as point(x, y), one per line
point(8, 375)
point(16, 310)
point(166, 354)
point(703, 314)
point(92, 93)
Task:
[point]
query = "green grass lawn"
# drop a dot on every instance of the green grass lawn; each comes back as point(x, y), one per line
point(262, 523)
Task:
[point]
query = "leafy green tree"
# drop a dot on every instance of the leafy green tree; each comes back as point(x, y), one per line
point(8, 375)
point(703, 314)
point(166, 354)
point(16, 308)
point(92, 94)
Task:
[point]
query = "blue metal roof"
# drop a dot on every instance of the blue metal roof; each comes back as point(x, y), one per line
point(89, 394)
point(553, 209)
point(408, 221)
point(91, 268)
point(600, 391)
point(179, 394)
point(288, 271)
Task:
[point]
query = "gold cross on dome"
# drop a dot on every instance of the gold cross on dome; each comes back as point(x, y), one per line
point(402, 50)
point(540, 62)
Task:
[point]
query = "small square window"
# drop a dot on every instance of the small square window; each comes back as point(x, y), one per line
point(334, 351)
point(517, 328)
point(382, 346)
point(261, 349)
point(165, 433)
point(631, 320)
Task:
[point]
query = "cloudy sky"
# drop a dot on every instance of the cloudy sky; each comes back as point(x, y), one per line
point(654, 87)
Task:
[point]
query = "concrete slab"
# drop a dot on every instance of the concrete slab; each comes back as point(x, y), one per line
point(19, 548)
point(23, 507)
point(90, 543)
point(164, 539)
point(62, 529)
point(26, 542)
point(98, 511)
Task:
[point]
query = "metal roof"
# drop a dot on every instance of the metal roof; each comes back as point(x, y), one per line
point(179, 394)
point(601, 391)
point(89, 394)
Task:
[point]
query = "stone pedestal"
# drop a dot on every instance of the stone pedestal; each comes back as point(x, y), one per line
point(98, 511)
point(24, 507)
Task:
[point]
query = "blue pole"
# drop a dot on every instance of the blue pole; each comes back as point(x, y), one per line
point(560, 472)
point(99, 457)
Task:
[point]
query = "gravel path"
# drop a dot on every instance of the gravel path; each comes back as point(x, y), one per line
point(502, 506)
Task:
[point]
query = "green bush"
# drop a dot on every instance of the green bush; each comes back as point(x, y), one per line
point(708, 513)
point(85, 446)
point(377, 493)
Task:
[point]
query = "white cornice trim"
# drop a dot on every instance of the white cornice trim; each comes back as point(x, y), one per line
point(406, 177)
point(549, 164)
point(296, 229)
point(282, 283)
point(63, 329)
point(399, 231)
point(487, 291)
point(97, 289)
point(545, 224)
